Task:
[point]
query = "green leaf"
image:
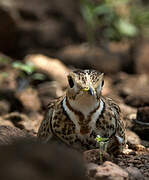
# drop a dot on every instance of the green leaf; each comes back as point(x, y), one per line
point(117, 2)
point(38, 76)
point(100, 139)
point(101, 10)
point(28, 68)
point(88, 15)
point(126, 28)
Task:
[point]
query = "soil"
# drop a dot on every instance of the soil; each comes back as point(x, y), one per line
point(52, 37)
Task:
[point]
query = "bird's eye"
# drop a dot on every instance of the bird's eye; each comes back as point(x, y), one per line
point(102, 83)
point(71, 83)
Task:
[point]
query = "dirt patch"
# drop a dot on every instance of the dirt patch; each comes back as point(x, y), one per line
point(23, 106)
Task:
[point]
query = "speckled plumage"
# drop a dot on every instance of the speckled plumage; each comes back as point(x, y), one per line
point(82, 114)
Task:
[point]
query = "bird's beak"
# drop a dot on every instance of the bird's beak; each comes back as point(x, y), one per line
point(90, 90)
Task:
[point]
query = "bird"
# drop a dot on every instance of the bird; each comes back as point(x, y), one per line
point(83, 114)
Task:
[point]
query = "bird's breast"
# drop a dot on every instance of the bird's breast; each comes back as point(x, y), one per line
point(84, 123)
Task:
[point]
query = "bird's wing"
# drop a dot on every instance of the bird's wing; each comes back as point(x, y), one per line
point(120, 127)
point(120, 131)
point(44, 132)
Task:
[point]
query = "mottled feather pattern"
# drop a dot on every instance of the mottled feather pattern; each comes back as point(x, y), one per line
point(93, 74)
point(81, 131)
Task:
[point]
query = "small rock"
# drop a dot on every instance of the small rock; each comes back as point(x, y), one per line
point(145, 143)
point(141, 57)
point(8, 135)
point(5, 122)
point(82, 56)
point(29, 98)
point(110, 171)
point(93, 156)
point(137, 100)
point(134, 94)
point(22, 121)
point(127, 151)
point(4, 107)
point(132, 138)
point(49, 90)
point(140, 160)
point(140, 147)
point(143, 114)
point(134, 173)
point(54, 68)
point(129, 119)
point(141, 123)
point(91, 169)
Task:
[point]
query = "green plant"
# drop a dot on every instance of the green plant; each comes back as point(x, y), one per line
point(27, 69)
point(27, 74)
point(140, 18)
point(102, 145)
point(114, 19)
point(24, 67)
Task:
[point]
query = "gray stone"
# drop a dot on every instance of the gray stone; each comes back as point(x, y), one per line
point(110, 171)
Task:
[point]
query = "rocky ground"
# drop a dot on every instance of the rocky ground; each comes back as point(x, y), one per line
point(40, 36)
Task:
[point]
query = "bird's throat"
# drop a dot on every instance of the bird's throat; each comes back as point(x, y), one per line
point(84, 118)
point(85, 105)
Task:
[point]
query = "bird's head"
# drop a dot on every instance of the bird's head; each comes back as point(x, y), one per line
point(85, 84)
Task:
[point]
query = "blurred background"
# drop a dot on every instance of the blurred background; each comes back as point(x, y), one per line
point(42, 40)
point(108, 35)
point(51, 27)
